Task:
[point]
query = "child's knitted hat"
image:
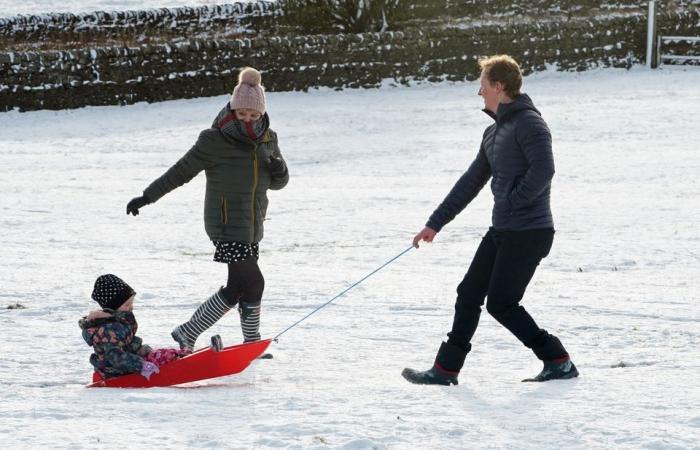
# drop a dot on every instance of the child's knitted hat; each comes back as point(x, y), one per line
point(111, 292)
point(249, 93)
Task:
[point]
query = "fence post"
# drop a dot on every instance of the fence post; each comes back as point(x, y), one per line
point(651, 32)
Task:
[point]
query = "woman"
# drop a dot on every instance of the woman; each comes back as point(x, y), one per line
point(241, 159)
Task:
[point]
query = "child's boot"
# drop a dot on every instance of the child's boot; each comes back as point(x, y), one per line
point(204, 317)
point(216, 343)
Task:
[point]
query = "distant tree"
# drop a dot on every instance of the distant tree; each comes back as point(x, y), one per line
point(349, 16)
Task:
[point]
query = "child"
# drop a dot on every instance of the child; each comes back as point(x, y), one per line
point(111, 332)
point(241, 159)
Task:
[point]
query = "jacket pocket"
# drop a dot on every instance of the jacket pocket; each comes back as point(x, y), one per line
point(261, 209)
point(510, 197)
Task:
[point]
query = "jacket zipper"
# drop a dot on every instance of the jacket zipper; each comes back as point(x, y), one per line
point(224, 210)
point(255, 186)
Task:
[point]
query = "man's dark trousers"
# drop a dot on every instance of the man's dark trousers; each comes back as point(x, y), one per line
point(501, 269)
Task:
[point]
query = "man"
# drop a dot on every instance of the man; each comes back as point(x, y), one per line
point(516, 153)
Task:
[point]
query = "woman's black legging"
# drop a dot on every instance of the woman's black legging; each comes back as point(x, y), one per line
point(245, 282)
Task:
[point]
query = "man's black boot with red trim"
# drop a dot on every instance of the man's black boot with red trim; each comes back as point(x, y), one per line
point(557, 363)
point(434, 375)
point(448, 363)
point(557, 369)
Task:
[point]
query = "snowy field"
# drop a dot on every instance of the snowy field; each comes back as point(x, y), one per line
point(367, 168)
point(9, 8)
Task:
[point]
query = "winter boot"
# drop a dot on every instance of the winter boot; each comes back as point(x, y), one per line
point(250, 320)
point(558, 369)
point(204, 317)
point(448, 363)
point(250, 323)
point(434, 375)
point(216, 344)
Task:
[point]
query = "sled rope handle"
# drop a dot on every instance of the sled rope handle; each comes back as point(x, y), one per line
point(342, 293)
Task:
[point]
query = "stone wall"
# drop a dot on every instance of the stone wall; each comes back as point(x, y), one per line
point(267, 17)
point(128, 26)
point(116, 75)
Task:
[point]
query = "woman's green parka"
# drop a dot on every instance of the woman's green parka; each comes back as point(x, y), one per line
point(238, 178)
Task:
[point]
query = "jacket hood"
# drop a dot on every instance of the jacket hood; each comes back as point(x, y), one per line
point(520, 103)
point(90, 327)
point(85, 323)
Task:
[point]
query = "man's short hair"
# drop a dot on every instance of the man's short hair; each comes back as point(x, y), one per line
point(503, 69)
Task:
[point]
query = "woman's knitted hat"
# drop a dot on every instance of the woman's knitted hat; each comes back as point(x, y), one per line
point(249, 93)
point(111, 292)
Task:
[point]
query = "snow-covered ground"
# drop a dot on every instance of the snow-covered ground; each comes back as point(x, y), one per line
point(9, 8)
point(367, 168)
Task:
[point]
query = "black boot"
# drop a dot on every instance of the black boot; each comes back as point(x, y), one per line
point(556, 370)
point(434, 375)
point(448, 363)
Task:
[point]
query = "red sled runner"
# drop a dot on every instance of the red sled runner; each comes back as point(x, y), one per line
point(200, 365)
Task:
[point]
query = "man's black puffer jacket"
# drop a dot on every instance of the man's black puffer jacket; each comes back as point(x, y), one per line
point(516, 152)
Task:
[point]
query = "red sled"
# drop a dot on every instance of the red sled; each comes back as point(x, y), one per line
point(200, 365)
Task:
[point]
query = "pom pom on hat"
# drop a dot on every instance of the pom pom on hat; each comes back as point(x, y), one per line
point(249, 93)
point(249, 76)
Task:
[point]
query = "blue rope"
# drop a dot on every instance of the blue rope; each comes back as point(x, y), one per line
point(346, 290)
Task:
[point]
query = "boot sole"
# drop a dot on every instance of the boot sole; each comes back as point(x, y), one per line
point(566, 376)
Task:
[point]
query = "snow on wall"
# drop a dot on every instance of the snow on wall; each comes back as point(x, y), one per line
point(113, 75)
point(426, 9)
point(45, 27)
point(260, 15)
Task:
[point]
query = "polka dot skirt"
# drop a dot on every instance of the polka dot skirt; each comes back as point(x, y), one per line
point(229, 252)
